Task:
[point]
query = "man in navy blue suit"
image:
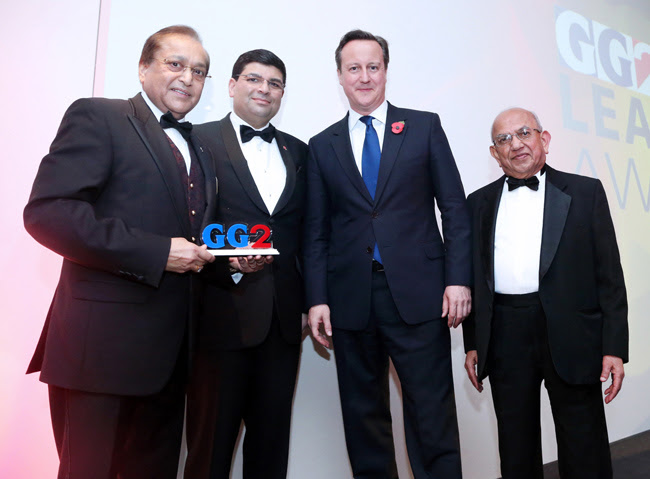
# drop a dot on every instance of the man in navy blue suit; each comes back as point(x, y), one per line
point(379, 277)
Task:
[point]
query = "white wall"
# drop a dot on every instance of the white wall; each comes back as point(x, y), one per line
point(466, 61)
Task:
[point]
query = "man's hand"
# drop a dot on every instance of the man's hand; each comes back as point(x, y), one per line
point(249, 264)
point(613, 365)
point(456, 304)
point(471, 360)
point(185, 256)
point(320, 314)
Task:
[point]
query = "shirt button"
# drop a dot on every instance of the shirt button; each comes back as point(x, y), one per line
point(191, 185)
point(193, 212)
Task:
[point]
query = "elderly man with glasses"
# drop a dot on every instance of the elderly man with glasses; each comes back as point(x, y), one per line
point(549, 304)
point(123, 196)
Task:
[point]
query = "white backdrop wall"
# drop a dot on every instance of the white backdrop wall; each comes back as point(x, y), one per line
point(466, 60)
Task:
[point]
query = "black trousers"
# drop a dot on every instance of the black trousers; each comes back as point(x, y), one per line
point(255, 385)
point(519, 360)
point(421, 355)
point(104, 436)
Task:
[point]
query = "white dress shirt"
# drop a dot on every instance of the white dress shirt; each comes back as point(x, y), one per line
point(518, 239)
point(172, 133)
point(265, 164)
point(358, 130)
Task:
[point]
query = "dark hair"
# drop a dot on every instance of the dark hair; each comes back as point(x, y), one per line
point(361, 35)
point(152, 44)
point(262, 56)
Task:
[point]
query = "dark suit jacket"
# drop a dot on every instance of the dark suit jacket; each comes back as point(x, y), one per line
point(239, 315)
point(581, 284)
point(417, 171)
point(108, 198)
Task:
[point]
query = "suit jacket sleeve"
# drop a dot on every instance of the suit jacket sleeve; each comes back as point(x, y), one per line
point(611, 284)
point(469, 325)
point(61, 211)
point(450, 197)
point(316, 232)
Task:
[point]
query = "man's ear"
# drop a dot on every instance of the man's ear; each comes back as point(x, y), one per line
point(495, 154)
point(142, 71)
point(546, 140)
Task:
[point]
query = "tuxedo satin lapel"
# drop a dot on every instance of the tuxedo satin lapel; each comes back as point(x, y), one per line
point(556, 210)
point(290, 166)
point(343, 149)
point(488, 222)
point(157, 142)
point(391, 147)
point(239, 163)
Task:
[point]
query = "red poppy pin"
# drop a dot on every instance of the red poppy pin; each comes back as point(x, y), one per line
point(397, 127)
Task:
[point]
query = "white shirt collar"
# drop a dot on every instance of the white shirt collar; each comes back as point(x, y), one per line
point(154, 109)
point(237, 122)
point(542, 179)
point(379, 114)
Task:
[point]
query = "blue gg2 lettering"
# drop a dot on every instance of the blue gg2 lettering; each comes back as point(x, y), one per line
point(237, 236)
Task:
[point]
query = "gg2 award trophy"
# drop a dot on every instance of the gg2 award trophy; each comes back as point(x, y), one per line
point(237, 241)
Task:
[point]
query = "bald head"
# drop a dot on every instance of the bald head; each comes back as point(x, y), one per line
point(537, 123)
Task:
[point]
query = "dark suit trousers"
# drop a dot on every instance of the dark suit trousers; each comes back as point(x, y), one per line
point(518, 361)
point(255, 385)
point(421, 355)
point(103, 436)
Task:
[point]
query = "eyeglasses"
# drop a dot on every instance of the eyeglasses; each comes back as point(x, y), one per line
point(254, 79)
point(524, 134)
point(199, 74)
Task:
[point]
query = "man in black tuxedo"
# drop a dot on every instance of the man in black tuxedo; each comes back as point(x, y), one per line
point(549, 304)
point(250, 329)
point(122, 196)
point(379, 278)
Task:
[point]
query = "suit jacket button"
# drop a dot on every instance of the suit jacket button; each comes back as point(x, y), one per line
point(369, 250)
point(374, 215)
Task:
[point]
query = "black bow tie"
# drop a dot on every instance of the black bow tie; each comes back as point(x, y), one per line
point(514, 183)
point(184, 128)
point(247, 133)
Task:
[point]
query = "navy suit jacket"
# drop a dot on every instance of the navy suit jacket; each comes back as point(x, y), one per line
point(239, 315)
point(108, 198)
point(581, 283)
point(343, 222)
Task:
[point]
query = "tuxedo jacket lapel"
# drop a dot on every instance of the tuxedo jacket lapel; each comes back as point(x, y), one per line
point(556, 210)
point(239, 163)
point(488, 222)
point(345, 156)
point(210, 177)
point(290, 166)
point(157, 142)
point(391, 146)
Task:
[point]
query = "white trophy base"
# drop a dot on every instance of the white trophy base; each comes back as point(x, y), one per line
point(245, 252)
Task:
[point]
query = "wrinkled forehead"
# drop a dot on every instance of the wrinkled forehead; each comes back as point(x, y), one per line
point(183, 48)
point(512, 120)
point(269, 72)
